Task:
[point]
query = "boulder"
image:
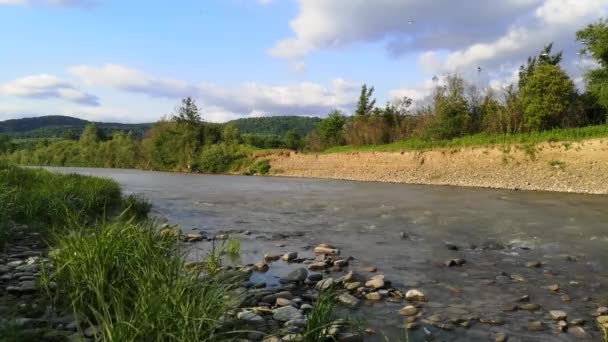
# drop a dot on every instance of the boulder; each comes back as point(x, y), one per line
point(296, 276)
point(558, 315)
point(348, 299)
point(409, 310)
point(415, 295)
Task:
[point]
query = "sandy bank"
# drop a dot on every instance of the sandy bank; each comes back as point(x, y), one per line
point(559, 166)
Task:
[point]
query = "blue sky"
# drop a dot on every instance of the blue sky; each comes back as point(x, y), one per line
point(132, 61)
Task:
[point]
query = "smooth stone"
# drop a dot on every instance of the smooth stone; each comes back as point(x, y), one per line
point(348, 299)
point(326, 250)
point(297, 275)
point(451, 246)
point(536, 326)
point(558, 315)
point(194, 237)
point(415, 296)
point(455, 262)
point(518, 277)
point(533, 264)
point(284, 302)
point(409, 310)
point(286, 313)
point(563, 325)
point(377, 283)
point(529, 307)
point(352, 286)
point(554, 287)
point(500, 337)
point(315, 277)
point(370, 269)
point(341, 263)
point(306, 307)
point(523, 299)
point(284, 295)
point(261, 267)
point(325, 284)
point(373, 296)
point(249, 317)
point(602, 320)
point(289, 256)
point(579, 332)
point(317, 266)
point(577, 321)
point(601, 311)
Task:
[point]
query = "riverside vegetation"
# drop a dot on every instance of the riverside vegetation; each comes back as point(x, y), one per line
point(543, 105)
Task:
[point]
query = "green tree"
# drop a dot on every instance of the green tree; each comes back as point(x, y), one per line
point(6, 144)
point(188, 113)
point(544, 57)
point(293, 141)
point(595, 44)
point(366, 103)
point(451, 111)
point(547, 96)
point(231, 135)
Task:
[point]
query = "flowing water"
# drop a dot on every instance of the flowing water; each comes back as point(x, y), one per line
point(498, 232)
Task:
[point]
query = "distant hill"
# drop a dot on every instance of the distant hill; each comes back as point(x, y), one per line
point(55, 126)
point(276, 125)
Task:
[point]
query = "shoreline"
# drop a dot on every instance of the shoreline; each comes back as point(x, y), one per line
point(572, 167)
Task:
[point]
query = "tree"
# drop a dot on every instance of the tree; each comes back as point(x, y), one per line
point(187, 113)
point(90, 135)
point(595, 43)
point(546, 96)
point(451, 111)
point(293, 141)
point(366, 103)
point(6, 145)
point(544, 57)
point(231, 135)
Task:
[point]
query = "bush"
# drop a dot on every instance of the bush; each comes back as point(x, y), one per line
point(261, 168)
point(219, 158)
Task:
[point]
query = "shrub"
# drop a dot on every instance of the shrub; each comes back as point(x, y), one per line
point(219, 158)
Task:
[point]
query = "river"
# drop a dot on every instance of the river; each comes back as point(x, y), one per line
point(498, 232)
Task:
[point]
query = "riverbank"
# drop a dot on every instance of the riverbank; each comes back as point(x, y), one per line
point(580, 167)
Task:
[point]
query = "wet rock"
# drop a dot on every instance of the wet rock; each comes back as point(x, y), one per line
point(370, 269)
point(287, 313)
point(451, 246)
point(325, 284)
point(566, 298)
point(271, 258)
point(250, 317)
point(377, 282)
point(315, 277)
point(348, 299)
point(579, 332)
point(415, 295)
point(518, 277)
point(603, 321)
point(261, 267)
point(373, 296)
point(194, 237)
point(509, 308)
point(601, 311)
point(536, 326)
point(562, 325)
point(169, 232)
point(289, 256)
point(554, 287)
point(500, 337)
point(558, 315)
point(533, 264)
point(523, 299)
point(352, 286)
point(296, 276)
point(284, 295)
point(492, 320)
point(341, 263)
point(529, 307)
point(409, 310)
point(285, 302)
point(455, 262)
point(577, 321)
point(327, 250)
point(306, 307)
point(317, 266)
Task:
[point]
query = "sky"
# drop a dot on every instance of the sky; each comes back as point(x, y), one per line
point(132, 61)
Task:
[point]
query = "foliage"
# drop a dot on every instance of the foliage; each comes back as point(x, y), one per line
point(234, 247)
point(293, 140)
point(219, 158)
point(275, 126)
point(329, 132)
point(129, 280)
point(544, 57)
point(321, 318)
point(547, 97)
point(261, 167)
point(595, 43)
point(451, 112)
point(366, 103)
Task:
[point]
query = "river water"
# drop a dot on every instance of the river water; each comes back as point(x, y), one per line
point(498, 232)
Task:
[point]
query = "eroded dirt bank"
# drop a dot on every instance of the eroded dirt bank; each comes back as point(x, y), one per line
point(559, 166)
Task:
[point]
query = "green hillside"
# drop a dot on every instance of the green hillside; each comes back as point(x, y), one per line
point(276, 125)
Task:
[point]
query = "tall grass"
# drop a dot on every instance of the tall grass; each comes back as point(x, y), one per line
point(483, 139)
point(321, 318)
point(131, 282)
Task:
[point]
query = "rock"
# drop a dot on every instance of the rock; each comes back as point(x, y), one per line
point(261, 267)
point(500, 337)
point(373, 296)
point(306, 307)
point(249, 317)
point(409, 310)
point(341, 263)
point(348, 299)
point(352, 286)
point(317, 266)
point(4, 269)
point(375, 283)
point(601, 311)
point(518, 277)
point(169, 232)
point(603, 321)
point(271, 258)
point(289, 256)
point(523, 299)
point(325, 284)
point(370, 269)
point(14, 263)
point(577, 321)
point(415, 296)
point(579, 332)
point(451, 246)
point(92, 331)
point(529, 307)
point(562, 325)
point(566, 298)
point(297, 276)
point(284, 302)
point(455, 262)
point(554, 287)
point(536, 326)
point(349, 277)
point(533, 264)
point(287, 313)
point(315, 277)
point(558, 315)
point(194, 237)
point(326, 250)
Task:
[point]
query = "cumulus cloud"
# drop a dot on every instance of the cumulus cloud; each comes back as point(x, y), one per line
point(55, 3)
point(45, 86)
point(305, 98)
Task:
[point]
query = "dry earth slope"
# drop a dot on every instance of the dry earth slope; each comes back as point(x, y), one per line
point(553, 166)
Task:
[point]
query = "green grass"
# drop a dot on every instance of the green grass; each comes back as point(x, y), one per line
point(567, 134)
point(131, 282)
point(234, 247)
point(321, 318)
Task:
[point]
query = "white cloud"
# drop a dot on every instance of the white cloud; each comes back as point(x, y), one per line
point(45, 86)
point(55, 3)
point(305, 98)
